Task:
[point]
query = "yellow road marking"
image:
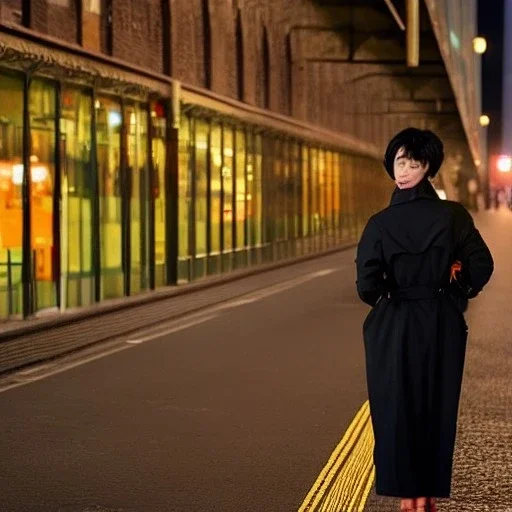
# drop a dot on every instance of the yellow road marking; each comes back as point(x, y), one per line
point(346, 480)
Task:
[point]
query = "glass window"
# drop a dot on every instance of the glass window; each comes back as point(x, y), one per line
point(11, 205)
point(76, 186)
point(276, 187)
point(227, 184)
point(108, 136)
point(215, 187)
point(284, 190)
point(91, 25)
point(322, 189)
point(11, 12)
point(254, 185)
point(336, 189)
point(137, 181)
point(305, 190)
point(42, 163)
point(315, 205)
point(201, 183)
point(184, 199)
point(159, 123)
point(294, 191)
point(329, 186)
point(240, 189)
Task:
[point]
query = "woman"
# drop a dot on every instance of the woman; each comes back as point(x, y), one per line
point(415, 335)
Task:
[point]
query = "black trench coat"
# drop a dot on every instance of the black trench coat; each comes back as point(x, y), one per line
point(415, 335)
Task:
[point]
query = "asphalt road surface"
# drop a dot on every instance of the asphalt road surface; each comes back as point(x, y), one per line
point(235, 408)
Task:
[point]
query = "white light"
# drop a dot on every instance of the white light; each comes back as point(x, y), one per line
point(201, 144)
point(17, 174)
point(114, 118)
point(228, 151)
point(97, 104)
point(504, 163)
point(479, 45)
point(441, 193)
point(39, 174)
point(477, 162)
point(485, 120)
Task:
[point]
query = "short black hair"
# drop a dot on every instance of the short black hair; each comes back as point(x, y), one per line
point(421, 145)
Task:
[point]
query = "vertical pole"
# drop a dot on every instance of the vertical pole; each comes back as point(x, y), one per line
point(150, 197)
point(413, 33)
point(26, 271)
point(57, 196)
point(95, 205)
point(171, 196)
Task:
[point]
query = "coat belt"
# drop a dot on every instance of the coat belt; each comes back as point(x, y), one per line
point(416, 293)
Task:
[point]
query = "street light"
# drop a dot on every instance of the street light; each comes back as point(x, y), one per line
point(479, 45)
point(484, 120)
point(504, 163)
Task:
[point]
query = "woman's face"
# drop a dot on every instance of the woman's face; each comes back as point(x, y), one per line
point(408, 173)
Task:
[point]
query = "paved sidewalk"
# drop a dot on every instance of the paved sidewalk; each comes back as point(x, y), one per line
point(482, 478)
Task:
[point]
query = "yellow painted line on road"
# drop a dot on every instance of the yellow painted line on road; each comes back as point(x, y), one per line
point(346, 480)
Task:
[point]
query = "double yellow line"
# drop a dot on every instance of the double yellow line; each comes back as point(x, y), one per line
point(345, 482)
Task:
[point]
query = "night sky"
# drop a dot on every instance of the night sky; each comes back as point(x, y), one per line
point(491, 14)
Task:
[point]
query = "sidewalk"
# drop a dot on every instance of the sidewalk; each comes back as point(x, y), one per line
point(482, 474)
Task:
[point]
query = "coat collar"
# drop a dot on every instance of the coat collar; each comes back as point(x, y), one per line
point(423, 190)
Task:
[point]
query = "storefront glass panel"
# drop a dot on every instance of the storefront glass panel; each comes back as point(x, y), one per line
point(159, 122)
point(201, 187)
point(184, 199)
point(42, 163)
point(108, 140)
point(215, 187)
point(240, 189)
point(77, 282)
point(11, 206)
point(305, 190)
point(137, 180)
point(227, 180)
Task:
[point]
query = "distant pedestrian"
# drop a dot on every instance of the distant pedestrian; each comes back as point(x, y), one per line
point(414, 258)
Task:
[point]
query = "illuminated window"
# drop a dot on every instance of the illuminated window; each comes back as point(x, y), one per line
point(215, 188)
point(159, 122)
point(108, 136)
point(42, 161)
point(76, 216)
point(305, 190)
point(137, 185)
point(184, 198)
point(11, 212)
point(227, 181)
point(254, 199)
point(240, 189)
point(201, 186)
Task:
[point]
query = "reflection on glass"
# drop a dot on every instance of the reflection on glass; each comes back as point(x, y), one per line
point(305, 190)
point(42, 163)
point(159, 122)
point(108, 137)
point(227, 180)
point(329, 190)
point(240, 189)
point(184, 189)
point(76, 186)
point(137, 175)
point(201, 182)
point(294, 191)
point(11, 207)
point(336, 189)
point(315, 205)
point(322, 186)
point(254, 185)
point(275, 188)
point(284, 197)
point(215, 187)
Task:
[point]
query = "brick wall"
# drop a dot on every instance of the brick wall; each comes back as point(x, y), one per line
point(312, 74)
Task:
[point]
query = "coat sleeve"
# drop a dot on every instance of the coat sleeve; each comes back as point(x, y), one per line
point(476, 259)
point(370, 265)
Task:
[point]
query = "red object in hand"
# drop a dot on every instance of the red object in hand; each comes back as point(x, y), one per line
point(454, 270)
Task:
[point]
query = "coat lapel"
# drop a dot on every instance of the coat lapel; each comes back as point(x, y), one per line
point(424, 190)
